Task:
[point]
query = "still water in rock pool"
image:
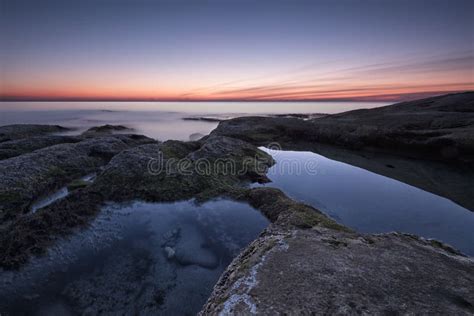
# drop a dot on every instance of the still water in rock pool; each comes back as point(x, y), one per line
point(155, 258)
point(368, 202)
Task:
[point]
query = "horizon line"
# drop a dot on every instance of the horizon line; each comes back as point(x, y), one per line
point(369, 98)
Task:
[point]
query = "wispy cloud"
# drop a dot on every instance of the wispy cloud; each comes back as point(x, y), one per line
point(378, 81)
point(389, 80)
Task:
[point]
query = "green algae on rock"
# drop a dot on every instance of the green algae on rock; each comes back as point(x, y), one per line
point(127, 174)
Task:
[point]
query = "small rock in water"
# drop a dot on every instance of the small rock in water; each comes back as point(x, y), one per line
point(170, 253)
point(195, 136)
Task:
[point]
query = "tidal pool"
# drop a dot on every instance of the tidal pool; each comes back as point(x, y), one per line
point(152, 258)
point(369, 202)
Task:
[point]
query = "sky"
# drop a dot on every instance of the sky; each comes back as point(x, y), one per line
point(367, 50)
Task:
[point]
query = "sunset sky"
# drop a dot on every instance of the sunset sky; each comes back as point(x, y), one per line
point(384, 50)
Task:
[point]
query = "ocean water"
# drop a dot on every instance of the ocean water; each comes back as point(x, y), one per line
point(159, 120)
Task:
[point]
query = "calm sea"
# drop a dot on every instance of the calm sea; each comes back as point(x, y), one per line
point(160, 120)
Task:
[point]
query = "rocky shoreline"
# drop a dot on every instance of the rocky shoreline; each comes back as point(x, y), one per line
point(439, 128)
point(124, 164)
point(327, 272)
point(304, 262)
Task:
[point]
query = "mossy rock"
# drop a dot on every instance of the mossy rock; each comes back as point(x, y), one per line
point(177, 149)
point(78, 184)
point(55, 172)
point(310, 218)
point(9, 197)
point(438, 244)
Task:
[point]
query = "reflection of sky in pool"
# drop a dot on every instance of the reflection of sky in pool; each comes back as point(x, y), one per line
point(369, 202)
point(150, 257)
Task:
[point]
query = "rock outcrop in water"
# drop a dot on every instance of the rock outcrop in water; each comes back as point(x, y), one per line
point(438, 128)
point(107, 130)
point(177, 170)
point(132, 167)
point(20, 139)
point(17, 147)
point(25, 178)
point(19, 131)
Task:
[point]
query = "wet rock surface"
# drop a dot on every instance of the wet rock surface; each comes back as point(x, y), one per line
point(438, 128)
point(168, 171)
point(128, 170)
point(19, 131)
point(13, 148)
point(322, 269)
point(25, 178)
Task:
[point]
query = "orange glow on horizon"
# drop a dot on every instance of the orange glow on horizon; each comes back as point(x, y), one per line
point(393, 94)
point(387, 81)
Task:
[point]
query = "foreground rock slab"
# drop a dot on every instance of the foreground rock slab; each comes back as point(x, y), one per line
point(326, 272)
point(293, 269)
